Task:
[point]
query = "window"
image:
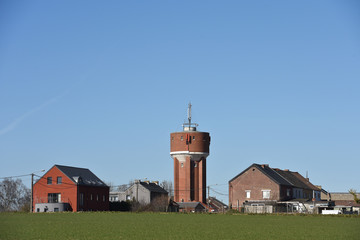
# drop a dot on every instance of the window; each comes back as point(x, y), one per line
point(81, 199)
point(49, 180)
point(54, 197)
point(91, 198)
point(128, 197)
point(266, 194)
point(193, 137)
point(288, 192)
point(103, 198)
point(58, 180)
point(172, 138)
point(182, 164)
point(247, 193)
point(97, 197)
point(182, 138)
point(56, 209)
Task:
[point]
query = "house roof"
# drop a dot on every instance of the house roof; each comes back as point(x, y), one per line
point(305, 181)
point(217, 203)
point(153, 187)
point(189, 204)
point(269, 172)
point(296, 179)
point(81, 176)
point(282, 177)
point(346, 203)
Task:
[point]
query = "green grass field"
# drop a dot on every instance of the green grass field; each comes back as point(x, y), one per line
point(111, 225)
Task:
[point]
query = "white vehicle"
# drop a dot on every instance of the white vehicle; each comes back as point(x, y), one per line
point(331, 212)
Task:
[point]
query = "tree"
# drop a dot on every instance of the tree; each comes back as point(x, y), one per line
point(168, 186)
point(353, 192)
point(14, 195)
point(111, 186)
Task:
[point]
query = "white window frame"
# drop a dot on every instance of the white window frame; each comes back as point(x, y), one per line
point(266, 191)
point(248, 193)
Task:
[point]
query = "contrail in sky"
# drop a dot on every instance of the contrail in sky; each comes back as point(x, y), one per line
point(18, 120)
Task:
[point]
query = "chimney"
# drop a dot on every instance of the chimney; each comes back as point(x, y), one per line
point(156, 182)
point(286, 170)
point(264, 165)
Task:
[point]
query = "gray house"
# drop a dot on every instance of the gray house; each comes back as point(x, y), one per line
point(142, 192)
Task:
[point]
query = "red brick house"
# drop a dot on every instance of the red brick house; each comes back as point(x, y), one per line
point(65, 188)
point(261, 183)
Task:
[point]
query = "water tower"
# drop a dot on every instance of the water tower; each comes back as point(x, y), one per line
point(189, 149)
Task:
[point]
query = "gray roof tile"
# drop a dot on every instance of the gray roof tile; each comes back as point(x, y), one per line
point(82, 176)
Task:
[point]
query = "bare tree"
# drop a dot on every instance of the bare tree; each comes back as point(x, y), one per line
point(123, 187)
point(353, 192)
point(112, 188)
point(168, 186)
point(14, 195)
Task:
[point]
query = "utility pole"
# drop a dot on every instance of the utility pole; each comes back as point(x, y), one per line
point(32, 194)
point(208, 198)
point(32, 190)
point(137, 190)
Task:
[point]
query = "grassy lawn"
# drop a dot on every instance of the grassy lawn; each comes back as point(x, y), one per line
point(108, 225)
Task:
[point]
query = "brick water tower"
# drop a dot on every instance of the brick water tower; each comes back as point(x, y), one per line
point(189, 149)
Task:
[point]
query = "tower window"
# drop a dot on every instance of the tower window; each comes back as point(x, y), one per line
point(182, 164)
point(172, 138)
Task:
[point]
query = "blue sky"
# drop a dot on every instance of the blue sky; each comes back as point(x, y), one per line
point(102, 84)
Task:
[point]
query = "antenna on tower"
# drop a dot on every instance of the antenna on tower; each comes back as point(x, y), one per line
point(189, 126)
point(189, 113)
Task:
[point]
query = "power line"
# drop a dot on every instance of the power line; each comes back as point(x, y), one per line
point(16, 176)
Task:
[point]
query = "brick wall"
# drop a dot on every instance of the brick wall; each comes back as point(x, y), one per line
point(254, 181)
point(67, 188)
